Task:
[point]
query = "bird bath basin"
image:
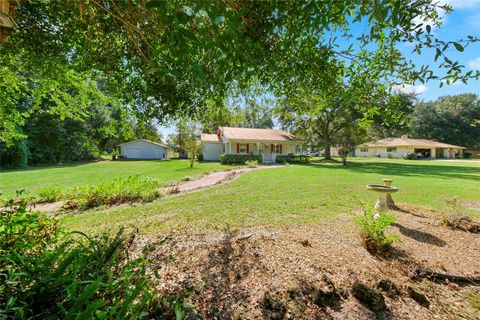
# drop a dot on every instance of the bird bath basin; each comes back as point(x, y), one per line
point(382, 192)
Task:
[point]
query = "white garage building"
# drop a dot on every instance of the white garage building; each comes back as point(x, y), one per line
point(143, 149)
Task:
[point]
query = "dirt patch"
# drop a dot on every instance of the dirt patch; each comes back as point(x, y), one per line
point(48, 207)
point(475, 205)
point(271, 274)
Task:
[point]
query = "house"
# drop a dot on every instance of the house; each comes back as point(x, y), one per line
point(143, 149)
point(265, 142)
point(398, 147)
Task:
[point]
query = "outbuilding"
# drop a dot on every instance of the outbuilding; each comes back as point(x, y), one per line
point(143, 149)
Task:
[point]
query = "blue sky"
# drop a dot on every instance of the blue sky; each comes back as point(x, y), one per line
point(463, 21)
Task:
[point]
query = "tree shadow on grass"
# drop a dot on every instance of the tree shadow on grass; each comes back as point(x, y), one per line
point(420, 236)
point(400, 169)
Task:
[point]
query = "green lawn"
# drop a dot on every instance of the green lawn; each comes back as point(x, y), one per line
point(95, 172)
point(293, 194)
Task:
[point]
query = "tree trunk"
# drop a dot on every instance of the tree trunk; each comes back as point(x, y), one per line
point(326, 151)
point(344, 159)
point(192, 159)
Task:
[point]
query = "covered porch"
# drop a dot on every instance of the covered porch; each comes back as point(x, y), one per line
point(269, 150)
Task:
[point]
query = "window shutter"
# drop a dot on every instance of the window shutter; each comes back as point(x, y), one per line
point(238, 147)
point(272, 147)
point(280, 149)
point(248, 148)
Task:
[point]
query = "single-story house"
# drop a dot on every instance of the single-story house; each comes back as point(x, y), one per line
point(143, 149)
point(397, 147)
point(265, 142)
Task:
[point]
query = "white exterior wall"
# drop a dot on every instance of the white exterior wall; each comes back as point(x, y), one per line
point(382, 152)
point(143, 150)
point(212, 151)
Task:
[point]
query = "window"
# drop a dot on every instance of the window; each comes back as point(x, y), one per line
point(298, 149)
point(242, 148)
point(277, 148)
point(363, 149)
point(391, 149)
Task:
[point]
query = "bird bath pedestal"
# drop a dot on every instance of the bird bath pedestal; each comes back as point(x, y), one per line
point(382, 192)
point(390, 203)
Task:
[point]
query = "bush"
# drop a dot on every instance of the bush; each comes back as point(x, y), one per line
point(409, 156)
point(373, 230)
point(114, 192)
point(47, 273)
point(293, 159)
point(118, 191)
point(239, 158)
point(200, 157)
point(51, 193)
point(251, 163)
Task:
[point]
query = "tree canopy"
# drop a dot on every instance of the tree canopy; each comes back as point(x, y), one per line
point(450, 119)
point(168, 57)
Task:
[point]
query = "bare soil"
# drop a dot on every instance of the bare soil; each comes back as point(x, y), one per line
point(318, 272)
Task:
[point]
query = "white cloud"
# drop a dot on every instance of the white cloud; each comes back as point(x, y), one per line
point(456, 5)
point(410, 88)
point(474, 64)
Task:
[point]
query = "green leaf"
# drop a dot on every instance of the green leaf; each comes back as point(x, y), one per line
point(458, 46)
point(154, 4)
point(429, 28)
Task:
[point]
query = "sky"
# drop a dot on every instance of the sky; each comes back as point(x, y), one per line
point(463, 21)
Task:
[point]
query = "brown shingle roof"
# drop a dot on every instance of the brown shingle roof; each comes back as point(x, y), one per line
point(408, 142)
point(207, 137)
point(257, 134)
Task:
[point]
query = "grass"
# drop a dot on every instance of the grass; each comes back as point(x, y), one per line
point(292, 195)
point(82, 173)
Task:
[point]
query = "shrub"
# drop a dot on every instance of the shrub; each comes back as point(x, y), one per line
point(239, 158)
point(114, 192)
point(118, 191)
point(200, 157)
point(51, 193)
point(293, 158)
point(251, 163)
point(467, 155)
point(409, 156)
point(48, 273)
point(373, 230)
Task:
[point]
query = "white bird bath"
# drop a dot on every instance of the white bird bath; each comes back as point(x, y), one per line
point(382, 192)
point(390, 203)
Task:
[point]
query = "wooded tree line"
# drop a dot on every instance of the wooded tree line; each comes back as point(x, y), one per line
point(80, 121)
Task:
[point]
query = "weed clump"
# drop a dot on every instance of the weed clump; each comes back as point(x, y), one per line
point(456, 219)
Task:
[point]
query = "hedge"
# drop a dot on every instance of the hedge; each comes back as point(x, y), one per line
point(239, 158)
point(292, 159)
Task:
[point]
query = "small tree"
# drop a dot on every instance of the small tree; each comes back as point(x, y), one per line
point(348, 137)
point(187, 139)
